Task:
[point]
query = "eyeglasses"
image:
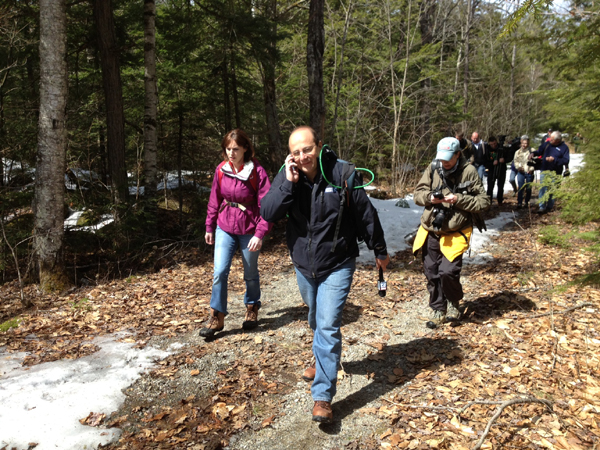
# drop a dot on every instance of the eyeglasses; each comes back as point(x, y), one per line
point(305, 151)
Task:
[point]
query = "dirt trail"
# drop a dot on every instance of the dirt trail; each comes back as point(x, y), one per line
point(381, 340)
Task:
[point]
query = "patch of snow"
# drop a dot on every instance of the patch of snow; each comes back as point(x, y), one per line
point(44, 403)
point(71, 222)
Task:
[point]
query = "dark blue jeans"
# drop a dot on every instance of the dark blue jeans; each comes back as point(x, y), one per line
point(523, 178)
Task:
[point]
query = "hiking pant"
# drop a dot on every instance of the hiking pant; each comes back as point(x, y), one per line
point(443, 276)
point(497, 174)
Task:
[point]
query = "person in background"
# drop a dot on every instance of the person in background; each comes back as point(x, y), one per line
point(524, 172)
point(496, 170)
point(233, 221)
point(465, 145)
point(453, 196)
point(479, 154)
point(555, 156)
point(322, 231)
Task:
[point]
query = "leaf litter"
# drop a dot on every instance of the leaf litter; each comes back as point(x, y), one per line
point(526, 334)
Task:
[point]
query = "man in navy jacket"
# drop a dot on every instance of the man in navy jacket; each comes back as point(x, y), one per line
point(555, 156)
point(323, 247)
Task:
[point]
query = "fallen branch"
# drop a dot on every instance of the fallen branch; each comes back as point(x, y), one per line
point(503, 405)
point(572, 308)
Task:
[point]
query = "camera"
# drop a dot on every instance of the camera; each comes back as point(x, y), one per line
point(535, 162)
point(440, 216)
point(438, 194)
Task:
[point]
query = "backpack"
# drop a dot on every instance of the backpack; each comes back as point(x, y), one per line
point(476, 218)
point(253, 176)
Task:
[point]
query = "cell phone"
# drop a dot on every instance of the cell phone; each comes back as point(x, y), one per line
point(294, 169)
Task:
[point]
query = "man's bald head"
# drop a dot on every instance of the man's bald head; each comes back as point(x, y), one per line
point(305, 129)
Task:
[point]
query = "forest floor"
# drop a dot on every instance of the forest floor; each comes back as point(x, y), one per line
point(524, 361)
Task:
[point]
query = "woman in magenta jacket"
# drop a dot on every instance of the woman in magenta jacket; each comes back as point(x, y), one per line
point(233, 221)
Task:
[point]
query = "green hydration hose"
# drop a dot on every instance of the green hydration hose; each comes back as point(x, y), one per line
point(340, 187)
point(329, 182)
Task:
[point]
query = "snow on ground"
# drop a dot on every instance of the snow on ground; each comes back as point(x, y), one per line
point(44, 403)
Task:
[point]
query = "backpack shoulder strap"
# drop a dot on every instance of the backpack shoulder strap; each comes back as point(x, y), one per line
point(254, 176)
point(220, 172)
point(348, 178)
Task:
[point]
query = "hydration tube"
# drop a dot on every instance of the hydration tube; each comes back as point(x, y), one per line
point(340, 187)
point(329, 182)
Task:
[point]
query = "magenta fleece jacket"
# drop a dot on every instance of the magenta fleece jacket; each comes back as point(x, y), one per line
point(231, 219)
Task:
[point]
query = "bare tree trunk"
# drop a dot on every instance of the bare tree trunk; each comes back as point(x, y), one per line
point(226, 101)
point(268, 64)
point(150, 112)
point(398, 106)
point(466, 57)
point(234, 87)
point(513, 64)
point(340, 76)
point(52, 147)
point(113, 93)
point(314, 64)
point(426, 24)
point(179, 163)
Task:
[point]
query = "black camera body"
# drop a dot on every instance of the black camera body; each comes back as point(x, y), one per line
point(535, 162)
point(438, 194)
point(438, 220)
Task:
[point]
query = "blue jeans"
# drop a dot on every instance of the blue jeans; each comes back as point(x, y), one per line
point(225, 246)
point(325, 298)
point(513, 175)
point(523, 178)
point(481, 171)
point(544, 206)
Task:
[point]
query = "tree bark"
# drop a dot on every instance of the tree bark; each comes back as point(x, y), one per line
point(340, 75)
point(52, 147)
point(226, 101)
point(150, 108)
point(268, 63)
point(113, 93)
point(234, 88)
point(314, 63)
point(427, 25)
point(150, 112)
point(466, 57)
point(513, 64)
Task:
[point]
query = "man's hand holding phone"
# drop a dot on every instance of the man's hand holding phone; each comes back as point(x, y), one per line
point(291, 169)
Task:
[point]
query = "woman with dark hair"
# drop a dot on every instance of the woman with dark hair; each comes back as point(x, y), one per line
point(233, 221)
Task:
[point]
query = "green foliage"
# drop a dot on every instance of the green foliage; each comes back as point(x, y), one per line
point(554, 236)
point(525, 277)
point(12, 323)
point(81, 305)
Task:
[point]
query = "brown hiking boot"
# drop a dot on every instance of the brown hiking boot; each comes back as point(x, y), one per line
point(322, 412)
point(309, 373)
point(251, 319)
point(215, 323)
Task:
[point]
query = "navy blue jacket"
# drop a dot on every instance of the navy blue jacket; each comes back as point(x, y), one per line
point(560, 153)
point(313, 211)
